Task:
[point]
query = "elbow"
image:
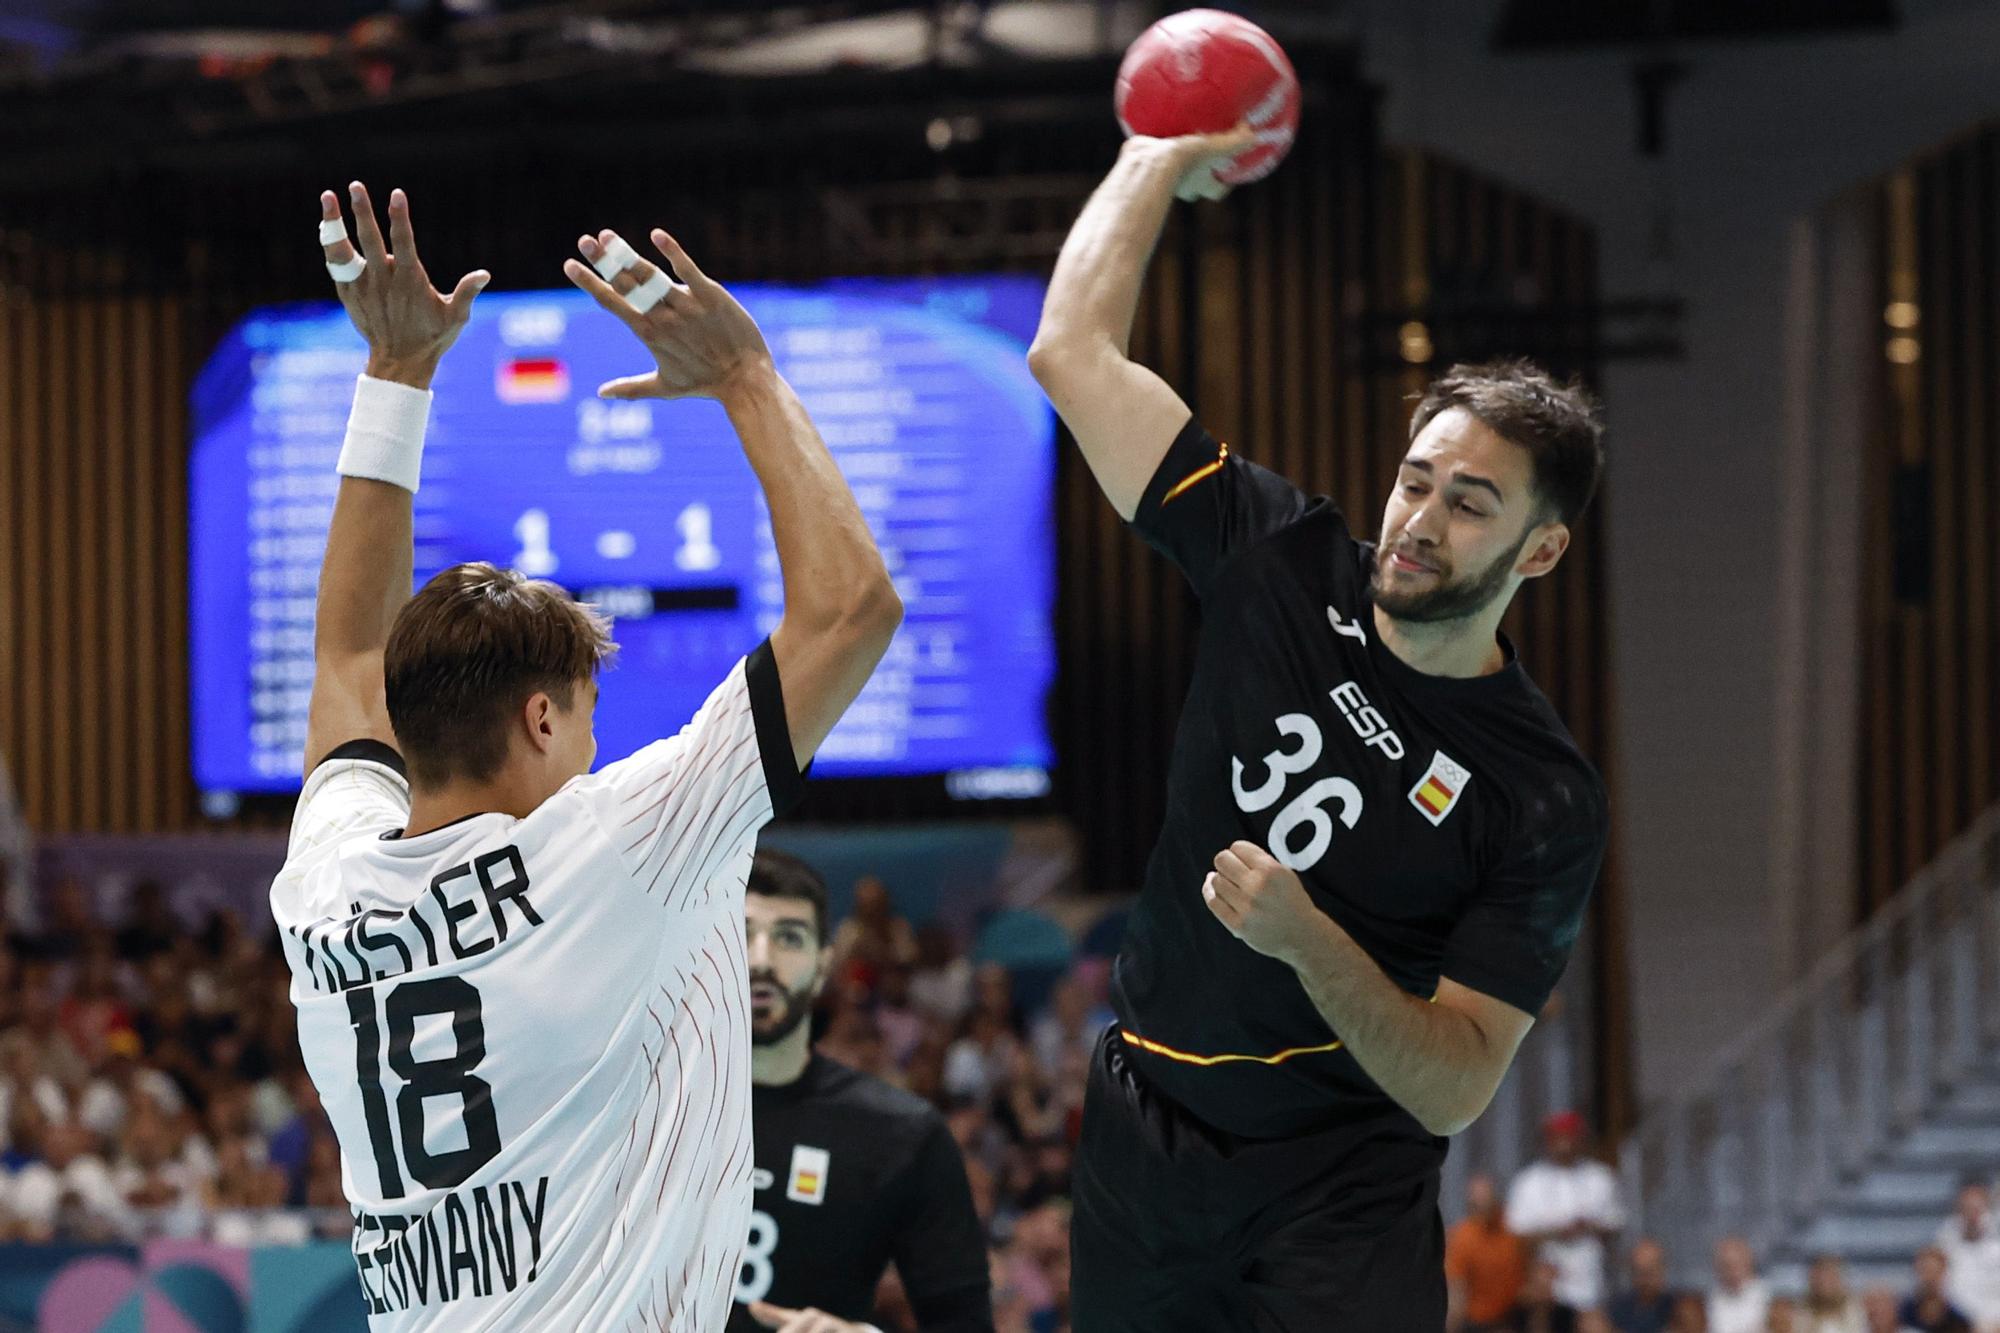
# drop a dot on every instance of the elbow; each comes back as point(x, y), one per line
point(1448, 1120)
point(880, 609)
point(1056, 358)
point(1045, 357)
point(873, 614)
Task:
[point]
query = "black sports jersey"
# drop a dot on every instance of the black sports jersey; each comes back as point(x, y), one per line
point(850, 1174)
point(1449, 825)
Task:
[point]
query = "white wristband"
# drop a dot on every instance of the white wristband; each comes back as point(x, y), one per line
point(385, 433)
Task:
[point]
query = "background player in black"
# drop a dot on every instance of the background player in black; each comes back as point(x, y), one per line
point(1379, 837)
point(851, 1172)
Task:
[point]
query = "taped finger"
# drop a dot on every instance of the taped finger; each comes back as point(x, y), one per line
point(649, 293)
point(615, 259)
point(333, 237)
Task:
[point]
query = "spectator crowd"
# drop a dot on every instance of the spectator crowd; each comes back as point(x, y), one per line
point(1538, 1260)
point(151, 1085)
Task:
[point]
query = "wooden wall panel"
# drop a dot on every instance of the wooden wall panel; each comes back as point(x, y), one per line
point(1930, 698)
point(93, 711)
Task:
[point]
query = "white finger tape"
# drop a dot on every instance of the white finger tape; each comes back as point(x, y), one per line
point(617, 257)
point(649, 293)
point(347, 272)
point(332, 231)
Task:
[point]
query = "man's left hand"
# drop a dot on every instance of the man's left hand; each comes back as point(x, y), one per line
point(802, 1321)
point(1261, 902)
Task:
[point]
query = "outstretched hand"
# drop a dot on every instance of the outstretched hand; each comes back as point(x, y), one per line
point(701, 338)
point(408, 323)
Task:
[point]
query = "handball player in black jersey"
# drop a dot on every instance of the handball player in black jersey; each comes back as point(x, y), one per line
point(850, 1172)
point(1379, 838)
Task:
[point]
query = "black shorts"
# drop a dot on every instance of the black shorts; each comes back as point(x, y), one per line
point(1179, 1227)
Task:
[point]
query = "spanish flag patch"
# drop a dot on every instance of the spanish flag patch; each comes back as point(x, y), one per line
point(1440, 787)
point(808, 1180)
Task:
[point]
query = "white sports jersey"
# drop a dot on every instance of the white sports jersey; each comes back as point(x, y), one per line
point(532, 1035)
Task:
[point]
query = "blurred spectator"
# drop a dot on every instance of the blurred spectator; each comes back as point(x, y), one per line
point(852, 1036)
point(1971, 1244)
point(873, 936)
point(1690, 1314)
point(1645, 1306)
point(156, 1173)
point(942, 983)
point(1783, 1316)
point(122, 1083)
point(993, 998)
point(149, 927)
point(901, 1024)
point(1927, 1309)
point(36, 1028)
point(1567, 1206)
point(1484, 1262)
point(1069, 1025)
point(1829, 1308)
point(26, 1086)
point(1038, 1263)
point(94, 1006)
point(1878, 1312)
point(68, 1192)
point(1539, 1310)
point(291, 1143)
point(1739, 1302)
point(72, 923)
point(982, 1061)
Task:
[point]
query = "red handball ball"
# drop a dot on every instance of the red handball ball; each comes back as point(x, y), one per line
point(1203, 71)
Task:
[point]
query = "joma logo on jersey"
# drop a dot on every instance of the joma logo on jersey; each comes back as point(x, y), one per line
point(1368, 724)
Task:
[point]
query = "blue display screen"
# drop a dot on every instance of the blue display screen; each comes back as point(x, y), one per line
point(650, 510)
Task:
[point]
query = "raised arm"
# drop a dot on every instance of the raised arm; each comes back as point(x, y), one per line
point(840, 608)
point(1122, 414)
point(365, 578)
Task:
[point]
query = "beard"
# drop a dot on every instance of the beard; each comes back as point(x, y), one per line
point(795, 1006)
point(1446, 598)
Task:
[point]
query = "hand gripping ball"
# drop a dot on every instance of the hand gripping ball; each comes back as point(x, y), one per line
point(1203, 71)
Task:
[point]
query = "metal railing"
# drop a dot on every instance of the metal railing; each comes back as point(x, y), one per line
point(1846, 1061)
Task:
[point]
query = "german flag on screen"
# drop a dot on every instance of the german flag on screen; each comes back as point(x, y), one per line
point(531, 380)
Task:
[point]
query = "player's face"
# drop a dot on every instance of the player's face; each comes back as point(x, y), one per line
point(787, 965)
point(1460, 516)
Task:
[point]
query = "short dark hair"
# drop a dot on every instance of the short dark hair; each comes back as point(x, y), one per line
point(468, 650)
point(776, 874)
point(1560, 424)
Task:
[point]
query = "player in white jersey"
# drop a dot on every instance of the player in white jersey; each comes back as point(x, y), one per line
point(521, 986)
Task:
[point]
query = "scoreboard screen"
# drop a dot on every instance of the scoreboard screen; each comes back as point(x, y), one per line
point(649, 510)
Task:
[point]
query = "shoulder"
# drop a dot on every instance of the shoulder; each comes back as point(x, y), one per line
point(1312, 544)
point(1549, 785)
point(874, 1098)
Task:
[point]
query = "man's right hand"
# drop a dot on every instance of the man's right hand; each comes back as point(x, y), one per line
point(1197, 156)
point(408, 323)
